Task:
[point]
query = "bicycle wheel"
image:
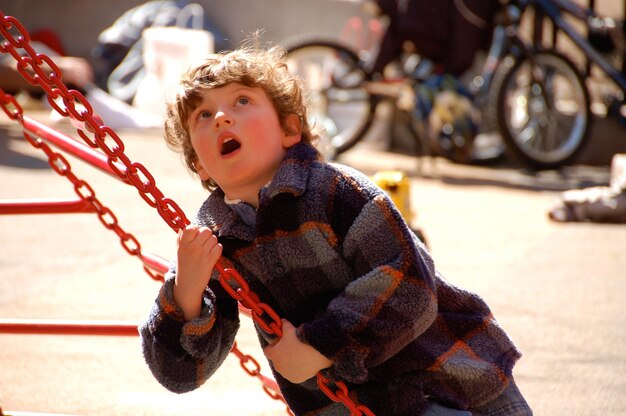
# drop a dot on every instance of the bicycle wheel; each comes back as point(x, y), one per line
point(340, 108)
point(544, 115)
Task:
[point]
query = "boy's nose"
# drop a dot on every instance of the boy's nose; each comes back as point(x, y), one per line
point(222, 119)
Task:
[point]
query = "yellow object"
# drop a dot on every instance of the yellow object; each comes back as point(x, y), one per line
point(397, 185)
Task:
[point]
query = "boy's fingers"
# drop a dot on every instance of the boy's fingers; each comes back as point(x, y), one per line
point(215, 252)
point(204, 234)
point(188, 234)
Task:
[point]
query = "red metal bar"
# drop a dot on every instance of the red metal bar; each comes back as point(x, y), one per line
point(44, 206)
point(155, 263)
point(71, 146)
point(68, 327)
point(21, 413)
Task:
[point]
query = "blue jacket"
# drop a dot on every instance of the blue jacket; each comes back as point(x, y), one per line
point(330, 253)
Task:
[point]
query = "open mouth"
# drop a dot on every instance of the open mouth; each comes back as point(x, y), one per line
point(229, 145)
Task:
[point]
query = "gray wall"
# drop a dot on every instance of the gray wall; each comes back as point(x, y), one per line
point(79, 22)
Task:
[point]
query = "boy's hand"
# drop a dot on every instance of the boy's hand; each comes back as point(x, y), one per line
point(198, 251)
point(293, 359)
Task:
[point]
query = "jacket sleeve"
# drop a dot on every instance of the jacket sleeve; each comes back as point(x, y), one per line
point(389, 303)
point(183, 355)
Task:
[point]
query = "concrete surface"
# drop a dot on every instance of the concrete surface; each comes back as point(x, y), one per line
point(558, 289)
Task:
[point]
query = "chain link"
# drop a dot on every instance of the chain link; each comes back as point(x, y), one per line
point(76, 107)
point(252, 367)
point(341, 395)
point(86, 193)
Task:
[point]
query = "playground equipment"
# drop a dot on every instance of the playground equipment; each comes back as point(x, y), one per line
point(112, 159)
point(397, 185)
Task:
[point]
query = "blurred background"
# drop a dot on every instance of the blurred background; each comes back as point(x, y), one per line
point(549, 262)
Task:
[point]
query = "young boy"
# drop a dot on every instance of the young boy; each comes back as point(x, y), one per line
point(325, 248)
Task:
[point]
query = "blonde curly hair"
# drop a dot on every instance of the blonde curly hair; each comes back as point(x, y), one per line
point(251, 66)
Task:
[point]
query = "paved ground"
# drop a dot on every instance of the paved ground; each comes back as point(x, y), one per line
point(558, 289)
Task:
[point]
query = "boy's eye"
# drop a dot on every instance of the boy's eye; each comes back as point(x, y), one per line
point(204, 114)
point(243, 101)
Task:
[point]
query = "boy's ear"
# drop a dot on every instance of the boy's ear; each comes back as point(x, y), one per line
point(293, 132)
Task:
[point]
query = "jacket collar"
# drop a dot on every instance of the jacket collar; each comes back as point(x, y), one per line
point(292, 174)
point(291, 177)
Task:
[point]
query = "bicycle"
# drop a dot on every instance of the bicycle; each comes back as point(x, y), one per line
point(538, 99)
point(345, 90)
point(543, 110)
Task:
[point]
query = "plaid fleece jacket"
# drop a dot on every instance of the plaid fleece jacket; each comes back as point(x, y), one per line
point(331, 254)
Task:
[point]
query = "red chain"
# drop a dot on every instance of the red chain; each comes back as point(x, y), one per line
point(102, 138)
point(61, 166)
point(84, 191)
point(252, 367)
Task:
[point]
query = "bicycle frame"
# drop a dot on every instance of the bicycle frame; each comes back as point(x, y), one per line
point(555, 10)
point(505, 41)
point(513, 50)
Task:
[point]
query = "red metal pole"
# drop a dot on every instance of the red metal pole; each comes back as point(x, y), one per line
point(155, 263)
point(71, 146)
point(68, 327)
point(44, 206)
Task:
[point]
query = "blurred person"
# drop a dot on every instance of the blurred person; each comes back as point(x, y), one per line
point(447, 32)
point(77, 72)
point(121, 46)
point(326, 249)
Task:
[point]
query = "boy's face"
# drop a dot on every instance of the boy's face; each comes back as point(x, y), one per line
point(236, 133)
